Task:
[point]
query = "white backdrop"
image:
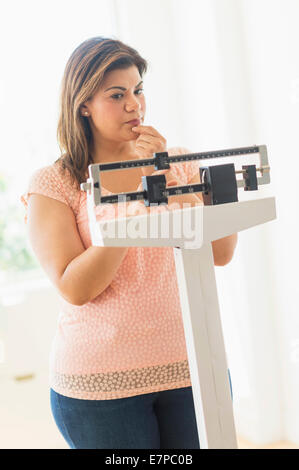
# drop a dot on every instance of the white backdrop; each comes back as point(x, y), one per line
point(222, 73)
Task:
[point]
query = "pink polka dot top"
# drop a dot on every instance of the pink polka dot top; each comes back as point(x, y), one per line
point(129, 340)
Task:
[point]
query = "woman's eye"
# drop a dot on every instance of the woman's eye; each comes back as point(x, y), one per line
point(120, 94)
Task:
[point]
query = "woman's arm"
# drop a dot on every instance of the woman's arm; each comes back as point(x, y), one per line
point(223, 249)
point(79, 274)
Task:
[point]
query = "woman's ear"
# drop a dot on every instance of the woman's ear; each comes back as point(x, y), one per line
point(84, 111)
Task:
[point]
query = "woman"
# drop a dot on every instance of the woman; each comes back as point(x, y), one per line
point(119, 375)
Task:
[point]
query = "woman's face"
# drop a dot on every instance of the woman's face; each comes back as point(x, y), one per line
point(119, 99)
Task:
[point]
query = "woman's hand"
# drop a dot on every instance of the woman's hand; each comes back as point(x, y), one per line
point(148, 142)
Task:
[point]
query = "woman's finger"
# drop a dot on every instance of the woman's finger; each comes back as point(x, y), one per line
point(147, 130)
point(154, 145)
point(149, 139)
point(142, 152)
point(149, 148)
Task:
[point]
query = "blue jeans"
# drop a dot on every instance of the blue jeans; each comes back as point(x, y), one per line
point(159, 420)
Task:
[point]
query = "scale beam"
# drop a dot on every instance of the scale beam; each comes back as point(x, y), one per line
point(214, 188)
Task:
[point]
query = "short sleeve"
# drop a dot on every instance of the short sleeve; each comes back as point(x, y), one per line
point(44, 181)
point(186, 170)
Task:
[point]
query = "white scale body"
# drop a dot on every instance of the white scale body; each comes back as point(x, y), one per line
point(198, 292)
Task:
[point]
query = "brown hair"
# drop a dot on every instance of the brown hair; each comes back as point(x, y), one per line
point(84, 73)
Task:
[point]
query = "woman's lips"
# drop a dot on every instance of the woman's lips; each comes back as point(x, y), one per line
point(135, 122)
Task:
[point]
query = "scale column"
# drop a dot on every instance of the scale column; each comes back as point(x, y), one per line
point(205, 347)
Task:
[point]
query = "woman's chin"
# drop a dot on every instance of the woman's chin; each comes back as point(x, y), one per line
point(133, 135)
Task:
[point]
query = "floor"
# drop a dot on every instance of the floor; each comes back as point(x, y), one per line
point(243, 444)
point(21, 422)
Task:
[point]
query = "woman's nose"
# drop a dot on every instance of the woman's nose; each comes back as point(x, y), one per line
point(132, 104)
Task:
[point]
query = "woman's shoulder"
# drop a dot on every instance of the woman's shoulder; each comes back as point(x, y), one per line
point(48, 173)
point(55, 182)
point(53, 176)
